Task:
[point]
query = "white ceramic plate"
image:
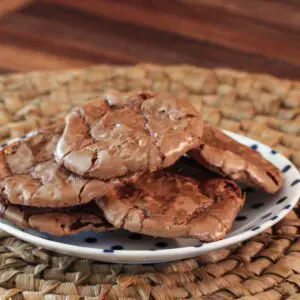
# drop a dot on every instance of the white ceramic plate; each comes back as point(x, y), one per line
point(260, 212)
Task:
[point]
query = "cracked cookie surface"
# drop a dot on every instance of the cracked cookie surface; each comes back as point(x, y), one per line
point(224, 155)
point(121, 134)
point(169, 204)
point(29, 174)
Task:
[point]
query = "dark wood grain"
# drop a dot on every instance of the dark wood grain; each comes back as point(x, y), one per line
point(8, 6)
point(201, 22)
point(256, 35)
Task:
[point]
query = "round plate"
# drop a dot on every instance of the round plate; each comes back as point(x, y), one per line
point(260, 212)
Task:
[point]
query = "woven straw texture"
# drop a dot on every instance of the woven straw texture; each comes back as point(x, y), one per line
point(259, 106)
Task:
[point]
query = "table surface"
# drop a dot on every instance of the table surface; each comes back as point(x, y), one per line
point(251, 35)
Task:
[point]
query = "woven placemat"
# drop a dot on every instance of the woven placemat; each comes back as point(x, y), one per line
point(259, 106)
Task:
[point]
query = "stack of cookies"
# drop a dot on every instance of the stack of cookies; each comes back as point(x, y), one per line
point(139, 161)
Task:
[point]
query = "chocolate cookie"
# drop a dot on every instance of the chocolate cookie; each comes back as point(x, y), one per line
point(224, 155)
point(54, 221)
point(166, 204)
point(122, 134)
point(29, 174)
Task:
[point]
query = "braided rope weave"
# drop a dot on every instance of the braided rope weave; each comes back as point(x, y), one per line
point(260, 106)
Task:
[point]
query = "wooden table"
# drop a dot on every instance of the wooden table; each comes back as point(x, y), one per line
point(252, 35)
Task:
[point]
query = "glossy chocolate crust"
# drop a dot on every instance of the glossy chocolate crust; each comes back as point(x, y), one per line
point(169, 204)
point(29, 174)
point(222, 154)
point(121, 134)
point(59, 222)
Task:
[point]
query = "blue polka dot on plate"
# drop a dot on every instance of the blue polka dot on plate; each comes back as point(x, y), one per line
point(255, 228)
point(90, 240)
point(117, 247)
point(297, 181)
point(286, 168)
point(249, 228)
point(254, 147)
point(266, 216)
point(281, 200)
point(241, 218)
point(108, 250)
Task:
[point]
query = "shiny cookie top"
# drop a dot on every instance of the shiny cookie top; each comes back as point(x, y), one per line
point(123, 134)
point(167, 204)
point(220, 153)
